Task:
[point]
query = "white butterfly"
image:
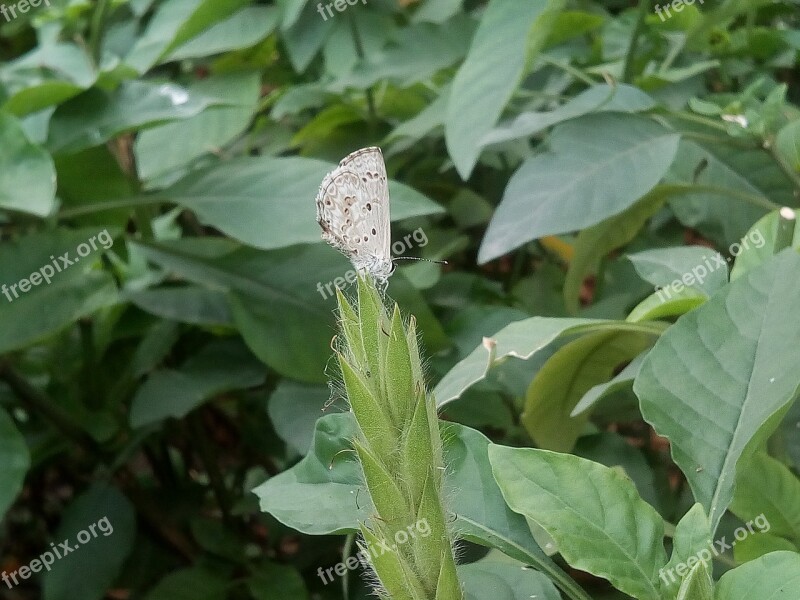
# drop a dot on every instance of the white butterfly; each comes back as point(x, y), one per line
point(353, 211)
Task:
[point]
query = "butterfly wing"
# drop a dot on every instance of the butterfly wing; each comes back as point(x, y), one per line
point(353, 211)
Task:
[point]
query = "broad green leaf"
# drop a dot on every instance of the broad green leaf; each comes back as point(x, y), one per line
point(597, 241)
point(567, 376)
point(74, 291)
point(306, 35)
point(593, 513)
point(732, 183)
point(613, 450)
point(185, 304)
point(697, 266)
point(97, 557)
point(322, 494)
point(27, 174)
point(194, 583)
point(243, 29)
point(725, 369)
point(698, 584)
point(766, 488)
point(96, 116)
point(522, 340)
point(667, 302)
point(16, 461)
point(174, 23)
point(690, 544)
point(598, 98)
point(256, 200)
point(508, 37)
point(272, 580)
point(169, 146)
point(623, 380)
point(758, 245)
point(48, 75)
point(502, 581)
point(294, 409)
point(217, 368)
point(418, 53)
point(597, 166)
point(787, 143)
point(273, 296)
point(774, 576)
point(758, 544)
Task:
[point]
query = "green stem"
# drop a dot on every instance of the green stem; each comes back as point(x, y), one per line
point(688, 188)
point(568, 68)
point(638, 29)
point(790, 172)
point(88, 209)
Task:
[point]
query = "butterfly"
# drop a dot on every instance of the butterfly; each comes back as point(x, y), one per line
point(353, 212)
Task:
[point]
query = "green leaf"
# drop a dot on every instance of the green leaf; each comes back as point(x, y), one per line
point(774, 576)
point(758, 544)
point(272, 296)
point(254, 200)
point(195, 583)
point(96, 116)
point(623, 380)
point(725, 368)
point(521, 339)
point(294, 409)
point(502, 581)
point(597, 166)
point(16, 461)
point(667, 303)
point(698, 584)
point(597, 98)
point(766, 488)
point(241, 30)
point(217, 368)
point(74, 291)
point(508, 37)
point(174, 23)
point(593, 513)
point(787, 143)
point(48, 75)
point(691, 542)
point(27, 174)
point(697, 266)
point(567, 376)
point(322, 494)
point(185, 304)
point(97, 557)
point(166, 147)
point(758, 245)
point(271, 580)
point(597, 241)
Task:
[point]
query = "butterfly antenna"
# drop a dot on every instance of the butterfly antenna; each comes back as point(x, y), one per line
point(438, 262)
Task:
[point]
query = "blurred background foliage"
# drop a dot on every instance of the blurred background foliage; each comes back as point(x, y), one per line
point(537, 144)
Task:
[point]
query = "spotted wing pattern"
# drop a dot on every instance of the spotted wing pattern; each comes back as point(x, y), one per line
point(353, 211)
